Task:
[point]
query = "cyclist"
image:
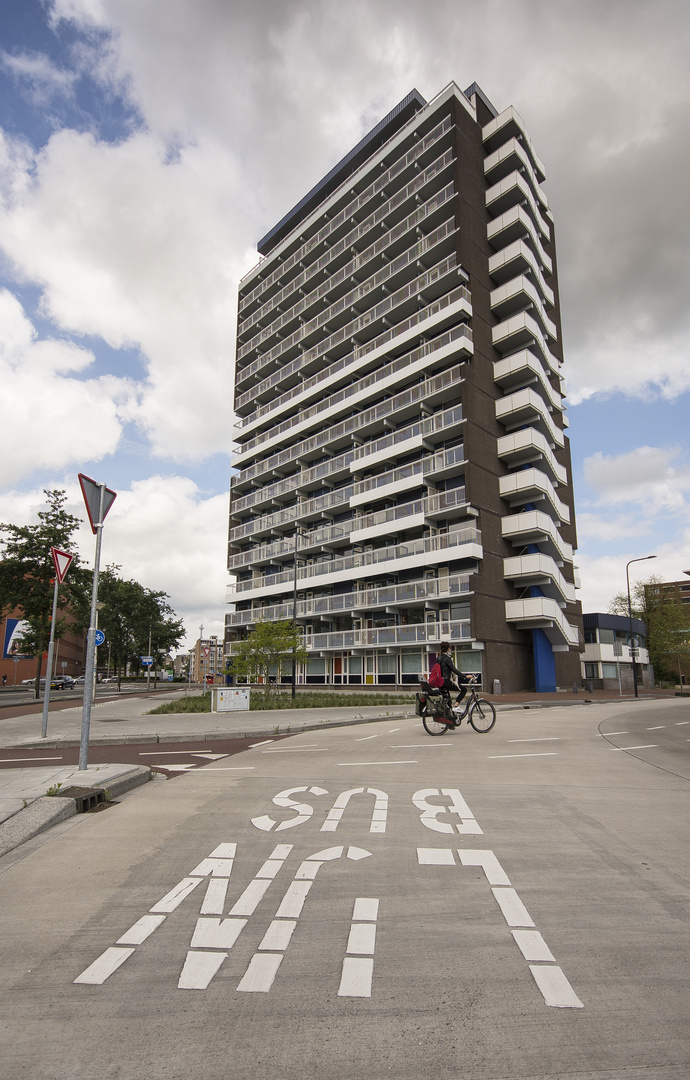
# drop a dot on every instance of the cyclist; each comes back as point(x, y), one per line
point(448, 668)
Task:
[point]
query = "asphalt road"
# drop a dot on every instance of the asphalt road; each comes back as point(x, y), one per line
point(173, 760)
point(369, 902)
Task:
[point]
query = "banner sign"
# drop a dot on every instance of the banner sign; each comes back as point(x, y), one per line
point(14, 629)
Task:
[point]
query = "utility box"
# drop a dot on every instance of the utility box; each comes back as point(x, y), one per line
point(230, 699)
point(497, 686)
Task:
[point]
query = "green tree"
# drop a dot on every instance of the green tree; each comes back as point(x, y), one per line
point(268, 651)
point(129, 612)
point(27, 572)
point(667, 620)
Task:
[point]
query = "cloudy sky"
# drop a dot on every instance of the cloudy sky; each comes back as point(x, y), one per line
point(146, 146)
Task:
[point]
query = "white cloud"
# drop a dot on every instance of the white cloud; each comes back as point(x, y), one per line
point(163, 532)
point(49, 419)
point(649, 475)
point(43, 77)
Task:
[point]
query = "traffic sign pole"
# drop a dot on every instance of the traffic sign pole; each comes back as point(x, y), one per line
point(97, 527)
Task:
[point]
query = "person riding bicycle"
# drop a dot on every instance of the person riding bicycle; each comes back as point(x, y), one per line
point(448, 668)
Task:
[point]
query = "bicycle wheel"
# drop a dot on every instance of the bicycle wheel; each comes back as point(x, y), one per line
point(482, 715)
point(433, 725)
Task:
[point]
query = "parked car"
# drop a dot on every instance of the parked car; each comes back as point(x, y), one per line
point(109, 678)
point(79, 681)
point(62, 682)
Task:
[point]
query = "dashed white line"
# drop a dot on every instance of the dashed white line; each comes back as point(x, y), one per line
point(367, 737)
point(301, 750)
point(345, 763)
point(548, 738)
point(259, 976)
point(555, 988)
point(647, 746)
point(659, 728)
point(141, 930)
point(6, 760)
point(549, 753)
point(104, 966)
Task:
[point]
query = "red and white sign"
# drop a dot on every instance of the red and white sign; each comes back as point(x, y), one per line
point(92, 498)
point(62, 560)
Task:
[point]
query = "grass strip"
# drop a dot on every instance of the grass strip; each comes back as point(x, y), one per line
point(308, 700)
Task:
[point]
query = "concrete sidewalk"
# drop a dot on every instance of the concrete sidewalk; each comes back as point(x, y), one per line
point(25, 810)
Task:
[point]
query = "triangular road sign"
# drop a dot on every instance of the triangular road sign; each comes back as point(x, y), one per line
point(62, 560)
point(92, 497)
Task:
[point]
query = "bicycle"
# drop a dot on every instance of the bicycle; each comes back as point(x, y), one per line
point(437, 716)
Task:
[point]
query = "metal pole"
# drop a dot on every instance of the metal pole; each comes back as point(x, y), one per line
point(49, 667)
point(91, 643)
point(148, 666)
point(633, 651)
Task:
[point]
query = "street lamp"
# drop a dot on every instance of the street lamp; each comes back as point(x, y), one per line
point(294, 613)
point(633, 651)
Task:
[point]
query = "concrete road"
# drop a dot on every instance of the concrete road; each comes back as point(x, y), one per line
point(369, 902)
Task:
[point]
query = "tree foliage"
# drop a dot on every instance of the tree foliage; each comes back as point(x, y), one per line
point(27, 573)
point(268, 651)
point(130, 611)
point(668, 624)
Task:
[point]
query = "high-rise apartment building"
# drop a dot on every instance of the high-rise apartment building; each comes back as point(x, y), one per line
point(404, 473)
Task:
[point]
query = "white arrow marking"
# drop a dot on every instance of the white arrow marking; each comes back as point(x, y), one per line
point(199, 968)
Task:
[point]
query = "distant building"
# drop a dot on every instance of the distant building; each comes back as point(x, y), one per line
point(206, 658)
point(670, 590)
point(403, 462)
point(607, 661)
point(68, 657)
point(181, 664)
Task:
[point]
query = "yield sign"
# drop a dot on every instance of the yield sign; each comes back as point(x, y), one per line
point(92, 497)
point(62, 560)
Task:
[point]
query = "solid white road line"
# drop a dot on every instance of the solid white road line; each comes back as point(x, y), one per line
point(367, 737)
point(555, 988)
point(647, 746)
point(548, 738)
point(169, 753)
point(104, 966)
point(5, 760)
point(300, 750)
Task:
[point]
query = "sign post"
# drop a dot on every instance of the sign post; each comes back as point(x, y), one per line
point(98, 499)
point(62, 561)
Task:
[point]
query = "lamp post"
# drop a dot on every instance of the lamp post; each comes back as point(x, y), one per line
point(294, 615)
point(633, 651)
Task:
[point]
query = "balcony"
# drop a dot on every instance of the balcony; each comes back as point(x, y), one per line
point(417, 634)
point(511, 157)
point(424, 591)
point(516, 190)
point(535, 527)
point(541, 612)
point(517, 224)
point(539, 570)
point(519, 295)
point(529, 486)
point(523, 367)
point(526, 407)
point(425, 552)
point(510, 125)
point(526, 445)
point(517, 332)
point(516, 259)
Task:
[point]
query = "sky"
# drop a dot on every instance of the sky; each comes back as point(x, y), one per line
point(146, 147)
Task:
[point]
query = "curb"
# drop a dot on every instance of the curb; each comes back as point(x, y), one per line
point(49, 810)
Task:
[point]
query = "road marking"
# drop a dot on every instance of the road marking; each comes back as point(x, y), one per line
point(175, 768)
point(358, 969)
point(555, 988)
point(416, 746)
point(393, 730)
point(606, 734)
point(264, 743)
point(214, 901)
point(647, 746)
point(277, 937)
point(659, 728)
point(6, 759)
point(303, 811)
point(216, 933)
point(430, 811)
point(141, 930)
point(199, 968)
point(259, 976)
point(357, 976)
point(514, 911)
point(174, 898)
point(104, 966)
point(166, 753)
point(344, 764)
point(300, 750)
point(532, 945)
point(547, 738)
point(549, 753)
point(228, 768)
point(367, 737)
point(378, 817)
point(681, 723)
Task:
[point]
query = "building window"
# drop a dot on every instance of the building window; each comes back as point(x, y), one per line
point(591, 671)
point(609, 671)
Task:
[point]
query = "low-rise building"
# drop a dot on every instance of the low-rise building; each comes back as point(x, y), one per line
point(206, 658)
point(607, 662)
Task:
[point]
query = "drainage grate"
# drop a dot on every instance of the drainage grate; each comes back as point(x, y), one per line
point(85, 798)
